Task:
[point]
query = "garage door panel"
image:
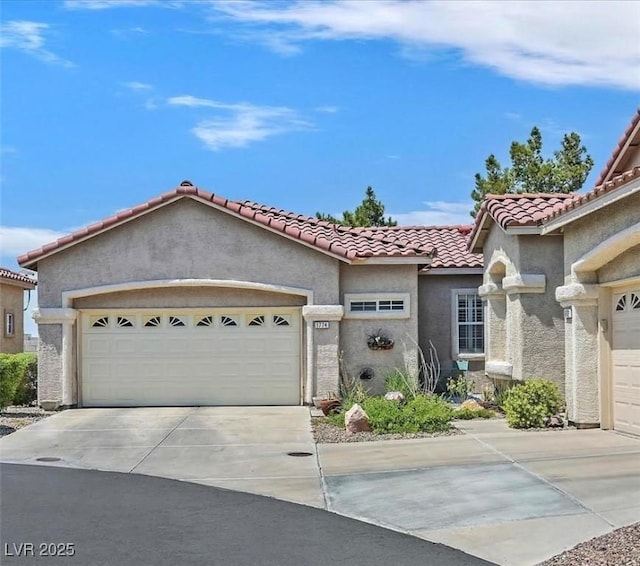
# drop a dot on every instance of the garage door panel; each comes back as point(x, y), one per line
point(625, 356)
point(190, 365)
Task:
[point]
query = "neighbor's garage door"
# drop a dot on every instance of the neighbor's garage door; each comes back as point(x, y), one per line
point(188, 357)
point(626, 362)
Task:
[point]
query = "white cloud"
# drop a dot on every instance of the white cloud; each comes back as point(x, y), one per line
point(437, 213)
point(17, 240)
point(137, 86)
point(327, 109)
point(29, 37)
point(240, 124)
point(552, 43)
point(107, 4)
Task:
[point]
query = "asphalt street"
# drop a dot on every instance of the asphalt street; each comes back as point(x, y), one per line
point(66, 516)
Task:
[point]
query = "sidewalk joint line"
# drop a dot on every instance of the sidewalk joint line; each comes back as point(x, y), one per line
point(159, 443)
point(543, 480)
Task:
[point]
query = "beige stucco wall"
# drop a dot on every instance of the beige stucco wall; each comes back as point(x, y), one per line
point(12, 300)
point(354, 332)
point(188, 239)
point(586, 233)
point(525, 327)
point(624, 266)
point(435, 319)
point(191, 297)
point(185, 239)
point(587, 367)
point(632, 159)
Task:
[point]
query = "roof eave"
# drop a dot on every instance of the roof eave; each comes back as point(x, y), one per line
point(32, 263)
point(28, 286)
point(393, 260)
point(590, 206)
point(630, 137)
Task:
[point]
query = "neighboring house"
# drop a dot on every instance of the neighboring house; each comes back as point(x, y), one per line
point(193, 299)
point(12, 299)
point(562, 287)
point(30, 343)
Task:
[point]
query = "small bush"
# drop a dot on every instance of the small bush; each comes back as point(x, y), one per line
point(501, 392)
point(12, 371)
point(27, 390)
point(468, 414)
point(459, 387)
point(420, 414)
point(528, 405)
point(403, 382)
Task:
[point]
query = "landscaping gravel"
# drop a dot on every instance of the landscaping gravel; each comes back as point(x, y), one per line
point(326, 433)
point(13, 418)
point(617, 548)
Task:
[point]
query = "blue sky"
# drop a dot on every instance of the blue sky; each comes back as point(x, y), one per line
point(301, 105)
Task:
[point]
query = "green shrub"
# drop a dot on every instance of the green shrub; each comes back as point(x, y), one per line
point(403, 382)
point(420, 414)
point(468, 414)
point(12, 371)
point(27, 390)
point(501, 392)
point(459, 387)
point(528, 404)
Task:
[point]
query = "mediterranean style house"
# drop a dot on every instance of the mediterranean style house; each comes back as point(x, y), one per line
point(562, 290)
point(194, 299)
point(12, 296)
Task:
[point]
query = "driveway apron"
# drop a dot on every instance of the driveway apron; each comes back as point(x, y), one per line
point(240, 448)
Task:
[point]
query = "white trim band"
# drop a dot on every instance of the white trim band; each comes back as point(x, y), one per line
point(524, 283)
point(490, 290)
point(498, 368)
point(323, 312)
point(577, 294)
point(54, 316)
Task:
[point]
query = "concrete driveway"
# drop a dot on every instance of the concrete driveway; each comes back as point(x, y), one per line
point(240, 448)
point(510, 497)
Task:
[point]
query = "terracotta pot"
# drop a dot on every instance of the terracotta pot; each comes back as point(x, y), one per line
point(330, 406)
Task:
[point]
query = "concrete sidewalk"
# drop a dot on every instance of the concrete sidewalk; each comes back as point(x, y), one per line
point(510, 497)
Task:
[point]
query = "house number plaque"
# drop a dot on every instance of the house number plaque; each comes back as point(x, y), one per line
point(321, 324)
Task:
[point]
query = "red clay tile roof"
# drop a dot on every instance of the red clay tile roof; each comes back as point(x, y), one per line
point(522, 209)
point(17, 277)
point(447, 244)
point(633, 129)
point(579, 200)
point(355, 242)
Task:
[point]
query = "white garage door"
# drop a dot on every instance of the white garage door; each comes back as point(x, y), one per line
point(190, 357)
point(626, 361)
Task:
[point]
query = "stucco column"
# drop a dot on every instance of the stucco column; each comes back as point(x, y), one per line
point(581, 359)
point(520, 340)
point(57, 356)
point(496, 361)
point(322, 345)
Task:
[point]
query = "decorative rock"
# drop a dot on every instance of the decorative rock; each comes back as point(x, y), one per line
point(471, 405)
point(356, 420)
point(394, 396)
point(554, 421)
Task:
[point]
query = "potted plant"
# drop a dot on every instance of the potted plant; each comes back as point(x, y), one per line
point(379, 340)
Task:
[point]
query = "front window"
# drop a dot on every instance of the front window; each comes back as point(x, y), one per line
point(377, 305)
point(9, 324)
point(469, 323)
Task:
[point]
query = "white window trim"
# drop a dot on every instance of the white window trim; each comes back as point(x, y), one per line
point(399, 314)
point(9, 327)
point(455, 346)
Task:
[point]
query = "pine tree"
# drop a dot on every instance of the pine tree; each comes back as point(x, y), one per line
point(368, 213)
point(530, 172)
